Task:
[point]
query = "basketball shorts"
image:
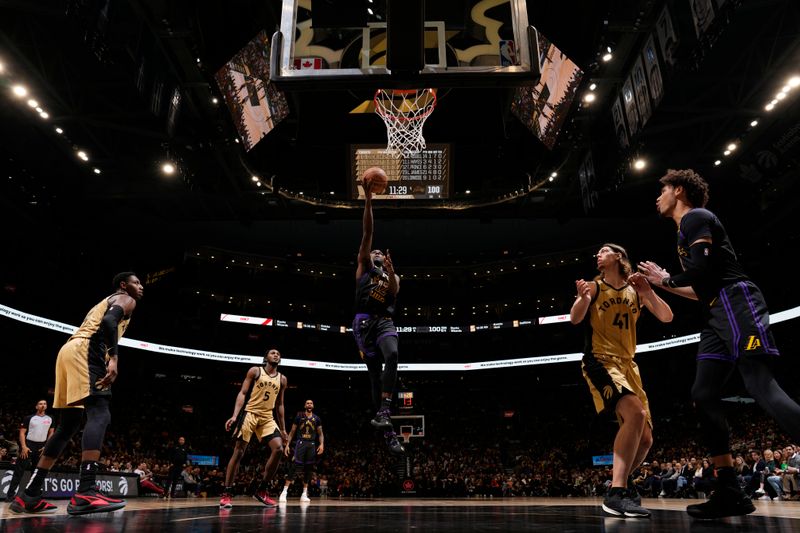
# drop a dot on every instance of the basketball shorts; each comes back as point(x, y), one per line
point(609, 378)
point(305, 453)
point(368, 331)
point(77, 374)
point(258, 426)
point(738, 324)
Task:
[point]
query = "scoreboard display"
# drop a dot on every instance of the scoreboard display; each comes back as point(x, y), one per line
point(422, 176)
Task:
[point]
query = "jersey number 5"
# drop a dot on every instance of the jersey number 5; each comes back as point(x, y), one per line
point(266, 396)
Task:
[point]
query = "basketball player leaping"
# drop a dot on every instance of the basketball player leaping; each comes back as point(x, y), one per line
point(377, 286)
point(261, 394)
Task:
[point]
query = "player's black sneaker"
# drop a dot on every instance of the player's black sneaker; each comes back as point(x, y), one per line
point(622, 506)
point(724, 501)
point(394, 444)
point(93, 501)
point(382, 420)
point(31, 505)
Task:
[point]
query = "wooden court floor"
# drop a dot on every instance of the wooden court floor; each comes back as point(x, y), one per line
point(401, 515)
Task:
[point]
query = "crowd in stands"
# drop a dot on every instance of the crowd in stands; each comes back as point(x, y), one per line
point(550, 458)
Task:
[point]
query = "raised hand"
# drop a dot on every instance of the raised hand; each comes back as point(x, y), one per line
point(387, 263)
point(639, 282)
point(652, 272)
point(584, 289)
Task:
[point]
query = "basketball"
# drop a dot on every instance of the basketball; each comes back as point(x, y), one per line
point(375, 179)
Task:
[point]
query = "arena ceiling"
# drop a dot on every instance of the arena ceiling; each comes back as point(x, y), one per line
point(82, 61)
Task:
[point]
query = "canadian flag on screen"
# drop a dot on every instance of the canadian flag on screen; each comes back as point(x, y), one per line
point(308, 63)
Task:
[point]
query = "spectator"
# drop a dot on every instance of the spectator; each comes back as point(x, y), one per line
point(189, 482)
point(146, 480)
point(791, 478)
point(743, 472)
point(704, 477)
point(775, 473)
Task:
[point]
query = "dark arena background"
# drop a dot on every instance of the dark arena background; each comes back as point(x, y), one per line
point(215, 149)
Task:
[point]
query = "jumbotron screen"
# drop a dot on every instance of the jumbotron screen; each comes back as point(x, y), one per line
point(422, 176)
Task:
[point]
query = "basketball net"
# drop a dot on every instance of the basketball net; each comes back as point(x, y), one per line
point(406, 436)
point(404, 111)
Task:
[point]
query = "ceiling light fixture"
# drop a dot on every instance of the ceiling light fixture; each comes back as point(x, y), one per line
point(83, 155)
point(168, 168)
point(754, 124)
point(639, 164)
point(718, 162)
point(19, 91)
point(589, 98)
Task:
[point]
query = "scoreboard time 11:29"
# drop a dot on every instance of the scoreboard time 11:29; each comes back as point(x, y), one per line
point(424, 175)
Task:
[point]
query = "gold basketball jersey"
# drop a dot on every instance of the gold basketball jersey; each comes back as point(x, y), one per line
point(612, 320)
point(263, 394)
point(91, 324)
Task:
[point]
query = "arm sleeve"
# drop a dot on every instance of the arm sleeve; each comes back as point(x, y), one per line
point(697, 225)
point(700, 255)
point(110, 323)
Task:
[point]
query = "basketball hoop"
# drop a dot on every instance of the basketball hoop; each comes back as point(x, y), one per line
point(406, 436)
point(404, 112)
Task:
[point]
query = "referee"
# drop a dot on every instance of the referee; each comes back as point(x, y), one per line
point(33, 433)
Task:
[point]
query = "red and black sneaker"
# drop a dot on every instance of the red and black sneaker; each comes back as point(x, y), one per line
point(263, 497)
point(225, 502)
point(93, 502)
point(31, 505)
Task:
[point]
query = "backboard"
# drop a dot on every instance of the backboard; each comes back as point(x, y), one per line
point(411, 425)
point(324, 44)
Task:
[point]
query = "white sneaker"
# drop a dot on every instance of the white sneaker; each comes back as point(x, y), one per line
point(282, 497)
point(304, 498)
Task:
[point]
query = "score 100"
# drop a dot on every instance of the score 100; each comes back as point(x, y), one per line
point(405, 189)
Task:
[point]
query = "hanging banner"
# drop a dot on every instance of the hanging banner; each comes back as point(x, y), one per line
point(629, 102)
point(702, 15)
point(588, 186)
point(653, 70)
point(619, 124)
point(667, 36)
point(640, 90)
